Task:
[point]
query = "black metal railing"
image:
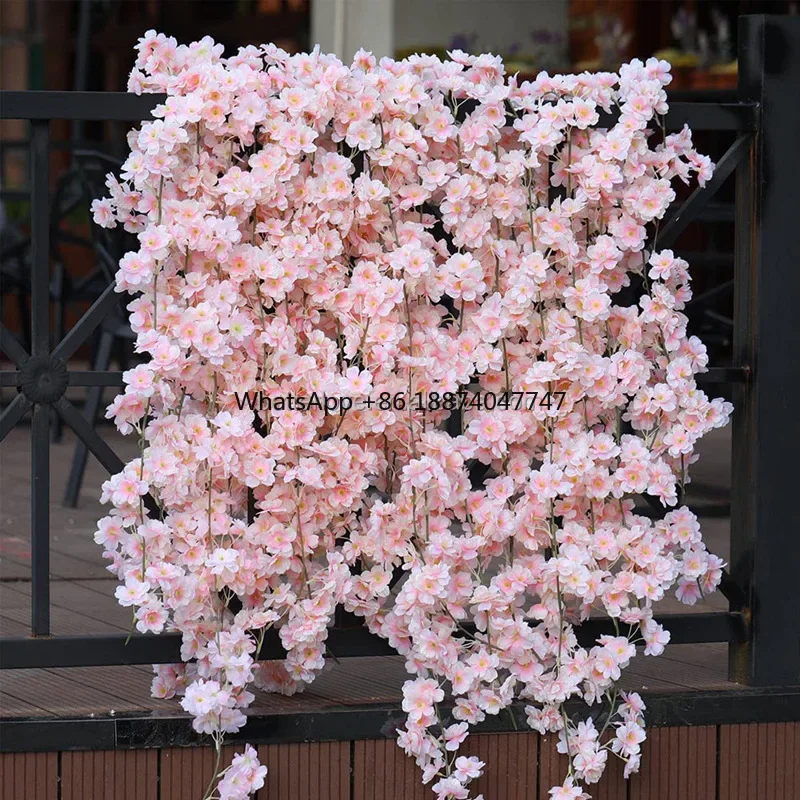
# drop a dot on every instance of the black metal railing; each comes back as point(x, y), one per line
point(762, 627)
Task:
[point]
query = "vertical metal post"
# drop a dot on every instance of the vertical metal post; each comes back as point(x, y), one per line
point(765, 514)
point(40, 346)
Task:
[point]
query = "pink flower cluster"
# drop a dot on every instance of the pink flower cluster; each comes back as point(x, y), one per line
point(406, 226)
point(243, 777)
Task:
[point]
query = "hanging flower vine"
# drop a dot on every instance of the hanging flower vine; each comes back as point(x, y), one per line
point(468, 266)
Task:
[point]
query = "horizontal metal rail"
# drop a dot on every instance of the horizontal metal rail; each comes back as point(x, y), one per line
point(719, 375)
point(125, 106)
point(9, 378)
point(103, 106)
point(112, 649)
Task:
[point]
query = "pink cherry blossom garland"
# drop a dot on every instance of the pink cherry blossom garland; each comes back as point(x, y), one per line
point(405, 227)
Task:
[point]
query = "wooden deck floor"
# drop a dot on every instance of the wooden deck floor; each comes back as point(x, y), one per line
point(108, 691)
point(82, 602)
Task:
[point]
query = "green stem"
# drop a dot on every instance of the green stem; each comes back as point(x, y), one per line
point(210, 788)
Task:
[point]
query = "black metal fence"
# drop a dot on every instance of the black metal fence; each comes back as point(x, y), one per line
point(762, 627)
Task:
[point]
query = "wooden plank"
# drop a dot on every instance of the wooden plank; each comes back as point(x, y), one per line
point(759, 761)
point(511, 761)
point(13, 627)
point(382, 771)
point(386, 671)
point(353, 681)
point(67, 697)
point(106, 774)
point(732, 760)
point(268, 702)
point(553, 765)
point(62, 565)
point(712, 602)
point(130, 684)
point(186, 771)
point(76, 688)
point(101, 591)
point(12, 569)
point(100, 608)
point(612, 785)
point(713, 655)
point(14, 594)
point(11, 706)
point(688, 676)
point(646, 677)
point(306, 771)
point(13, 546)
point(665, 675)
point(65, 622)
point(74, 553)
point(677, 762)
point(93, 599)
point(32, 776)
